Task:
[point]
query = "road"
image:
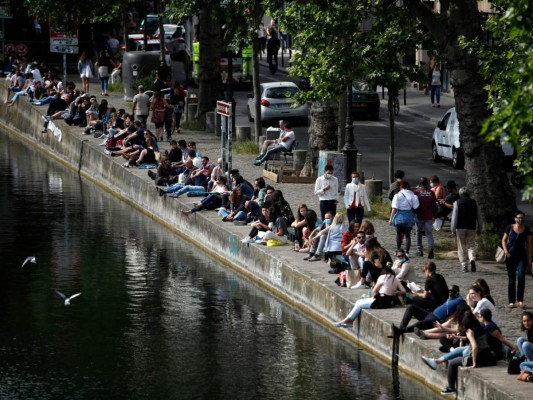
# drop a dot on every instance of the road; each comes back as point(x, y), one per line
point(413, 143)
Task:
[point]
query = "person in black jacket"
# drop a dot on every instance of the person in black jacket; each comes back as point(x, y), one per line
point(466, 222)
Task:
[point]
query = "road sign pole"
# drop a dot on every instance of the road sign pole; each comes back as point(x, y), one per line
point(64, 71)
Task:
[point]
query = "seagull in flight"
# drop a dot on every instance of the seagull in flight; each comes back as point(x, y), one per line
point(67, 299)
point(30, 259)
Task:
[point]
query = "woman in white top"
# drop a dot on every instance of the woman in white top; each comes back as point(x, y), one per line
point(387, 287)
point(402, 216)
point(477, 297)
point(436, 84)
point(333, 244)
point(402, 267)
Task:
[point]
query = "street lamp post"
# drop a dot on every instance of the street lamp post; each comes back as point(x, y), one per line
point(349, 150)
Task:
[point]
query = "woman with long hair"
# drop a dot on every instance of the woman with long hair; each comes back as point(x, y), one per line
point(85, 69)
point(299, 224)
point(516, 243)
point(385, 292)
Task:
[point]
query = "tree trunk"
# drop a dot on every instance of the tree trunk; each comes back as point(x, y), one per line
point(209, 78)
point(486, 175)
point(256, 89)
point(322, 133)
point(390, 106)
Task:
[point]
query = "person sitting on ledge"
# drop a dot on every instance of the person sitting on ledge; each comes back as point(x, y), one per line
point(214, 200)
point(284, 146)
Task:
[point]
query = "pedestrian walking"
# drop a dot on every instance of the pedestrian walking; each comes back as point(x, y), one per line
point(435, 81)
point(85, 69)
point(327, 189)
point(466, 222)
point(425, 216)
point(355, 198)
point(402, 217)
point(516, 243)
point(141, 105)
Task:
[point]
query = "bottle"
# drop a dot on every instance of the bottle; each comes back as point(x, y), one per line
point(369, 294)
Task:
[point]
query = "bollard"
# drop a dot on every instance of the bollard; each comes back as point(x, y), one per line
point(244, 133)
point(374, 189)
point(192, 109)
point(210, 122)
point(299, 159)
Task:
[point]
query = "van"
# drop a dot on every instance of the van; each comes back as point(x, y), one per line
point(446, 143)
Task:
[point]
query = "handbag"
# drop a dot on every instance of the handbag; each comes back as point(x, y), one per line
point(500, 256)
point(382, 301)
point(404, 219)
point(513, 367)
point(353, 277)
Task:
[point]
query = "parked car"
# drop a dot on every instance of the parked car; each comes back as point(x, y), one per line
point(151, 45)
point(278, 102)
point(169, 30)
point(365, 100)
point(446, 142)
point(151, 24)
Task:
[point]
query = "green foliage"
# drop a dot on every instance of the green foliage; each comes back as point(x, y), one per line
point(246, 147)
point(488, 241)
point(445, 245)
point(507, 64)
point(82, 11)
point(147, 81)
point(193, 125)
point(116, 87)
point(380, 209)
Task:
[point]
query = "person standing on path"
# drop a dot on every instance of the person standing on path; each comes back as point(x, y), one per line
point(425, 216)
point(402, 217)
point(327, 189)
point(516, 243)
point(435, 81)
point(85, 69)
point(466, 222)
point(141, 105)
point(355, 198)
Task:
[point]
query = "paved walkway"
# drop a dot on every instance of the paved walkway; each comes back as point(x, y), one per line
point(417, 105)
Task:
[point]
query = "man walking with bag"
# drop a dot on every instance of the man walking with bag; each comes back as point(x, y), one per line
point(425, 215)
point(466, 222)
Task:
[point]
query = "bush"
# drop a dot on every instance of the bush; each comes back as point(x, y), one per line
point(380, 209)
point(193, 125)
point(246, 147)
point(488, 242)
point(147, 81)
point(116, 87)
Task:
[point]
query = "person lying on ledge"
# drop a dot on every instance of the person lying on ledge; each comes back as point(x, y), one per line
point(384, 295)
point(284, 145)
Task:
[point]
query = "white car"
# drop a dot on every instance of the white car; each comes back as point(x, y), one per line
point(170, 30)
point(278, 102)
point(446, 142)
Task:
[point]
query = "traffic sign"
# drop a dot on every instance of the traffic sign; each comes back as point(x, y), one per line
point(64, 41)
point(64, 49)
point(224, 108)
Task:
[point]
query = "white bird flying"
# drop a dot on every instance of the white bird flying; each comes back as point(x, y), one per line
point(67, 299)
point(30, 259)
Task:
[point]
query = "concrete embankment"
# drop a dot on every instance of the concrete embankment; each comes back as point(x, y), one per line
point(304, 285)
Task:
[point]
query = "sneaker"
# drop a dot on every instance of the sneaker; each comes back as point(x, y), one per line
point(257, 163)
point(103, 143)
point(473, 266)
point(152, 175)
point(420, 253)
point(44, 130)
point(448, 392)
point(430, 362)
point(430, 254)
point(420, 333)
point(359, 286)
point(161, 192)
point(107, 152)
point(407, 255)
point(316, 257)
point(247, 239)
point(309, 257)
point(465, 269)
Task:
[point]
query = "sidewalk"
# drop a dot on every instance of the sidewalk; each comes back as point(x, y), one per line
point(296, 194)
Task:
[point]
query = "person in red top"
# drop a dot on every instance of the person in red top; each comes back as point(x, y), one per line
point(437, 187)
point(425, 215)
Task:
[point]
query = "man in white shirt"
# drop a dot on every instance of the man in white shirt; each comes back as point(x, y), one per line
point(327, 189)
point(141, 105)
point(268, 142)
point(284, 145)
point(354, 198)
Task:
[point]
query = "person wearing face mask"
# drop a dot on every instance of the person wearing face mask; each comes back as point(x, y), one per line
point(317, 241)
point(516, 243)
point(327, 189)
point(355, 198)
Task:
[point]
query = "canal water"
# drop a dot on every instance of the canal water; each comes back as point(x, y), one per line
point(157, 319)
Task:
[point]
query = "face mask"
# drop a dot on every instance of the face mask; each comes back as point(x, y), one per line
point(355, 180)
point(519, 221)
point(328, 221)
point(327, 176)
point(431, 185)
point(402, 260)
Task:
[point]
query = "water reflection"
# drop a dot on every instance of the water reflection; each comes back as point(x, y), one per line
point(157, 318)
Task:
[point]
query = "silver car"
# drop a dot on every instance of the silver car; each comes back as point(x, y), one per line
point(278, 102)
